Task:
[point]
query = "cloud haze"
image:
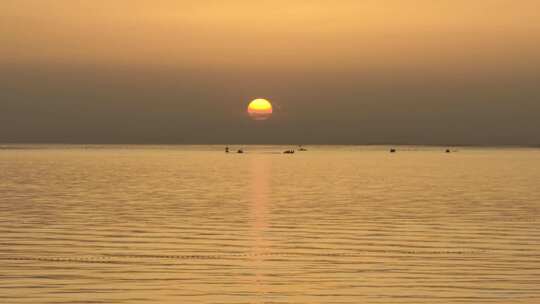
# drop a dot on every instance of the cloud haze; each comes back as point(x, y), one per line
point(424, 72)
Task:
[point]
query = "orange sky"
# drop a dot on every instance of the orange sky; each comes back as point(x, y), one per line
point(372, 71)
point(327, 34)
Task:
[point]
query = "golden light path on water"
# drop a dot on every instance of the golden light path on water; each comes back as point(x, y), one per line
point(259, 213)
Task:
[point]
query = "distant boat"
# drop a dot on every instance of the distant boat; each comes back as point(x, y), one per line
point(240, 151)
point(227, 149)
point(300, 148)
point(288, 152)
point(392, 150)
point(447, 150)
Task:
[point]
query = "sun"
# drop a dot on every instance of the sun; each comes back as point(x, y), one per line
point(260, 109)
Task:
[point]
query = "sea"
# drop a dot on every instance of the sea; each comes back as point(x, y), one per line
point(333, 224)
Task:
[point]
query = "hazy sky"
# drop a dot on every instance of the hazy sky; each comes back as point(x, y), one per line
point(134, 71)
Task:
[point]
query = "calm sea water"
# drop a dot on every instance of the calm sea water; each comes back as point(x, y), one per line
point(191, 224)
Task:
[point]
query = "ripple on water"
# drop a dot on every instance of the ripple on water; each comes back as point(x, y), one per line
point(332, 225)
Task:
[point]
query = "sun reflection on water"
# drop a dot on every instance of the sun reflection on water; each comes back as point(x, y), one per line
point(260, 190)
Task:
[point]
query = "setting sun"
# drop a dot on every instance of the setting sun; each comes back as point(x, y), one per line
point(260, 109)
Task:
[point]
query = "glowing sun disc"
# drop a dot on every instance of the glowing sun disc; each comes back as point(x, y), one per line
point(260, 109)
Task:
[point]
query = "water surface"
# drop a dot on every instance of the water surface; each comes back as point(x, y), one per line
point(191, 224)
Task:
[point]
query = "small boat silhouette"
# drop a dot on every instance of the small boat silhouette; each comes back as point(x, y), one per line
point(392, 150)
point(288, 152)
point(240, 151)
